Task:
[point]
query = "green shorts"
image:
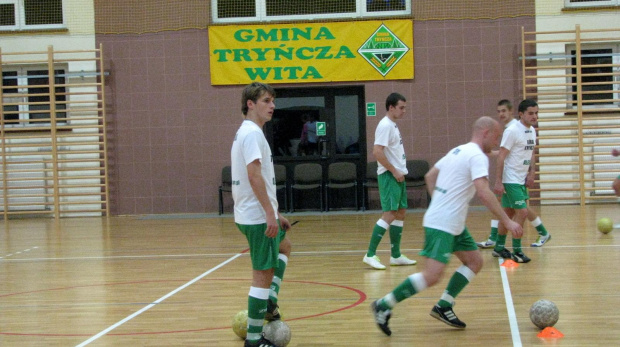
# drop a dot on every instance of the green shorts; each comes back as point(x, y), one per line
point(440, 245)
point(515, 197)
point(264, 250)
point(393, 193)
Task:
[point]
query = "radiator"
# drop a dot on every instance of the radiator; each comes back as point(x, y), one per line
point(32, 187)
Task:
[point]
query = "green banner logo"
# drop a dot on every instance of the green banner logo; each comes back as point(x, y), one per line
point(383, 50)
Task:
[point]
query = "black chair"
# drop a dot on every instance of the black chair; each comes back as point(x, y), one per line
point(281, 185)
point(370, 182)
point(415, 176)
point(225, 186)
point(307, 176)
point(341, 176)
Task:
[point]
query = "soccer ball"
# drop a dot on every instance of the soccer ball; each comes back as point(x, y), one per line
point(278, 332)
point(544, 313)
point(240, 324)
point(605, 225)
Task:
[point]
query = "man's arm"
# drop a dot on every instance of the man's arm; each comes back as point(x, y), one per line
point(499, 172)
point(531, 174)
point(257, 183)
point(377, 151)
point(490, 201)
point(431, 179)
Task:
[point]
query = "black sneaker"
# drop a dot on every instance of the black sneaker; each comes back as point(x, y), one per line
point(504, 253)
point(519, 257)
point(263, 342)
point(381, 318)
point(446, 315)
point(272, 311)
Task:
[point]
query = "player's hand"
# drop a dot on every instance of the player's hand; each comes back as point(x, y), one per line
point(286, 225)
point(515, 228)
point(615, 152)
point(498, 189)
point(529, 181)
point(272, 226)
point(399, 176)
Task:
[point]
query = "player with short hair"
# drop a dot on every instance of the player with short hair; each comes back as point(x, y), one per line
point(391, 171)
point(452, 181)
point(506, 118)
point(515, 172)
point(256, 210)
point(616, 183)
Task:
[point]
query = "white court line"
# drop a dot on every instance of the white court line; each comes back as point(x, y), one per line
point(512, 317)
point(144, 309)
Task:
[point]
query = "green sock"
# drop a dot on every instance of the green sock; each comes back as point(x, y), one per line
point(257, 306)
point(516, 245)
point(396, 233)
point(377, 234)
point(409, 287)
point(493, 236)
point(537, 223)
point(278, 276)
point(461, 278)
point(501, 242)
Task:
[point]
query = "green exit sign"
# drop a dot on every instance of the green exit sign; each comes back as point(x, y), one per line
point(371, 109)
point(321, 129)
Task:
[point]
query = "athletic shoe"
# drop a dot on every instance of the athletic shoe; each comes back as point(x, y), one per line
point(486, 244)
point(381, 318)
point(374, 262)
point(446, 315)
point(272, 311)
point(504, 253)
point(519, 257)
point(402, 260)
point(541, 240)
point(263, 342)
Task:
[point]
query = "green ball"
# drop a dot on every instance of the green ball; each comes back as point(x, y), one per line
point(605, 225)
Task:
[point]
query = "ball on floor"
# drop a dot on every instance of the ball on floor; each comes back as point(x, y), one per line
point(278, 332)
point(605, 225)
point(544, 313)
point(240, 324)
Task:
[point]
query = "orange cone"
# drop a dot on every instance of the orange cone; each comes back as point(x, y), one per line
point(510, 263)
point(550, 332)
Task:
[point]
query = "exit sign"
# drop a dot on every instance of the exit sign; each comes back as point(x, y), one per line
point(371, 109)
point(321, 129)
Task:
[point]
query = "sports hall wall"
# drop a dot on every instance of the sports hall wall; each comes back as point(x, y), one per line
point(170, 130)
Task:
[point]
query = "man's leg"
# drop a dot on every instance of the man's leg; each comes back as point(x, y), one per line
point(276, 282)
point(257, 303)
point(382, 225)
point(543, 234)
point(396, 232)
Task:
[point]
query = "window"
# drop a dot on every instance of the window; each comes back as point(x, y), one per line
point(591, 3)
point(30, 14)
point(271, 10)
point(26, 96)
point(600, 86)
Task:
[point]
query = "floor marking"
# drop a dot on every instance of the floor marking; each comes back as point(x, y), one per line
point(144, 309)
point(512, 317)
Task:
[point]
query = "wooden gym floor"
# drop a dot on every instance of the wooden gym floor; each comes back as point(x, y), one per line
point(178, 281)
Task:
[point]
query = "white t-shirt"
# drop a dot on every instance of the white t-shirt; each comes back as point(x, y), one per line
point(388, 136)
point(513, 121)
point(520, 141)
point(250, 144)
point(455, 187)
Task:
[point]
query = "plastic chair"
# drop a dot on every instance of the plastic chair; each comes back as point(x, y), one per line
point(225, 186)
point(415, 177)
point(307, 176)
point(341, 176)
point(370, 182)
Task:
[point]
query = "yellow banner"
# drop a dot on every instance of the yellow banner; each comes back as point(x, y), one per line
point(311, 52)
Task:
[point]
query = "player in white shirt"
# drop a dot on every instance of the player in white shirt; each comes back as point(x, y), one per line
point(452, 181)
point(515, 172)
point(505, 117)
point(391, 171)
point(256, 210)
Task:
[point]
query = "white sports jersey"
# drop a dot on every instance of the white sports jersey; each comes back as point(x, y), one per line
point(388, 136)
point(455, 187)
point(513, 121)
point(520, 141)
point(250, 144)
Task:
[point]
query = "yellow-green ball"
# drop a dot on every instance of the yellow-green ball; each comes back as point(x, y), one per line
point(605, 225)
point(240, 324)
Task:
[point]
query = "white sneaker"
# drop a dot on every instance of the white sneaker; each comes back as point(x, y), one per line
point(486, 244)
point(402, 260)
point(541, 240)
point(374, 262)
